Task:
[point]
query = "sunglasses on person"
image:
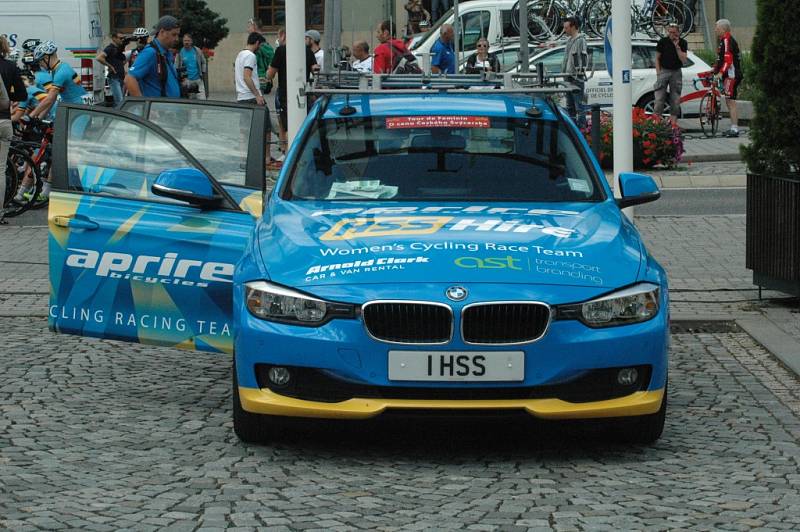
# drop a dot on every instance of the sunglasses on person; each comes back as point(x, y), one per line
point(483, 46)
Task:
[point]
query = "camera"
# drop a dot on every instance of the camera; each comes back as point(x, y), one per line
point(187, 86)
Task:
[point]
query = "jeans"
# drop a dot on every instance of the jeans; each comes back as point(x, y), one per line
point(6, 132)
point(438, 8)
point(116, 90)
point(575, 103)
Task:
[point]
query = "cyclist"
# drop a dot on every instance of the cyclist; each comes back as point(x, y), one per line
point(141, 35)
point(12, 89)
point(729, 68)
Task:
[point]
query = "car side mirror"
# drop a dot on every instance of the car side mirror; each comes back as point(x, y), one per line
point(186, 184)
point(636, 189)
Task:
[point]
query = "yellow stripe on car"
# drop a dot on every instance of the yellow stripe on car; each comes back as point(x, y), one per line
point(264, 401)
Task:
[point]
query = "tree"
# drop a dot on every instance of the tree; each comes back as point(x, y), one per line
point(206, 27)
point(774, 148)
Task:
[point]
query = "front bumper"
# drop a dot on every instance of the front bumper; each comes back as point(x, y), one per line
point(264, 401)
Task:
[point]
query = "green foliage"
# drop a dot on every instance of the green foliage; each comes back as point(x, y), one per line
point(206, 26)
point(709, 56)
point(774, 148)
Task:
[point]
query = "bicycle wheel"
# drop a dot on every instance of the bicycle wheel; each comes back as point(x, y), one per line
point(21, 165)
point(597, 13)
point(12, 182)
point(666, 12)
point(544, 19)
point(709, 114)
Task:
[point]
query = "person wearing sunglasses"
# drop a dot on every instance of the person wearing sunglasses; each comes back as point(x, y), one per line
point(482, 61)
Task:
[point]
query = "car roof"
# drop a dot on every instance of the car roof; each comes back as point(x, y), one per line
point(439, 103)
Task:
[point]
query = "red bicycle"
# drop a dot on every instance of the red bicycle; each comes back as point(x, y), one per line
point(710, 104)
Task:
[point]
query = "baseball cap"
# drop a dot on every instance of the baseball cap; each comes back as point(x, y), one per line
point(168, 23)
point(314, 35)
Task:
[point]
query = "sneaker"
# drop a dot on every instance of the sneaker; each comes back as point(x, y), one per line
point(731, 133)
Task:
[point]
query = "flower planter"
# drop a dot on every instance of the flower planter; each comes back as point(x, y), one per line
point(773, 232)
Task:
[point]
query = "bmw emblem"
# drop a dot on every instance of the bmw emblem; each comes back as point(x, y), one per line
point(456, 293)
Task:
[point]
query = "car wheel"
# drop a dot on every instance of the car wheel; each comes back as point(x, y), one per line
point(648, 103)
point(249, 427)
point(641, 429)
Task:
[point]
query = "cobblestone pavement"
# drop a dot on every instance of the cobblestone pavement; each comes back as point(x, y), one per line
point(101, 435)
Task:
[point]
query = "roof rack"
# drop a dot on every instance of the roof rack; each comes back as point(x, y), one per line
point(348, 82)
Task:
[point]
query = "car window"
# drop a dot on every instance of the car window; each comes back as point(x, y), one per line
point(552, 61)
point(644, 57)
point(509, 57)
point(109, 154)
point(474, 25)
point(454, 158)
point(216, 136)
point(597, 58)
point(508, 25)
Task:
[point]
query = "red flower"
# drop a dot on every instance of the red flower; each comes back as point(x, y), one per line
point(647, 144)
point(651, 136)
point(646, 161)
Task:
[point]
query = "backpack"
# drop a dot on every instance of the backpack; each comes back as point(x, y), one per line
point(404, 62)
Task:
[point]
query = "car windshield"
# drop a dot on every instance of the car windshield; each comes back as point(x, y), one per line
point(451, 158)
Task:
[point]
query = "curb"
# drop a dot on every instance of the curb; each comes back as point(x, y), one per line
point(782, 345)
point(712, 158)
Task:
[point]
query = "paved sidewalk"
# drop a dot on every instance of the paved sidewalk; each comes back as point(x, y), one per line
point(700, 148)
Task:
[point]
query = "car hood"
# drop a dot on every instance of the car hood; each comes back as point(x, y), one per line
point(305, 244)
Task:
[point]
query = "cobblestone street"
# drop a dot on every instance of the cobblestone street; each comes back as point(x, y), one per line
point(102, 435)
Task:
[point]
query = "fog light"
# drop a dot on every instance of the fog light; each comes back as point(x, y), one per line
point(279, 376)
point(626, 376)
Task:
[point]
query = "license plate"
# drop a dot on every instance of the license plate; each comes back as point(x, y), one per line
point(465, 366)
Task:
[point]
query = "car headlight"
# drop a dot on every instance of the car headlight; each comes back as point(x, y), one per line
point(273, 302)
point(631, 305)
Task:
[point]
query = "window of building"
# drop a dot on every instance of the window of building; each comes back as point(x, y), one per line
point(127, 15)
point(169, 7)
point(272, 13)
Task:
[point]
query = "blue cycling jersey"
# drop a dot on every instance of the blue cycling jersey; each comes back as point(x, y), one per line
point(68, 83)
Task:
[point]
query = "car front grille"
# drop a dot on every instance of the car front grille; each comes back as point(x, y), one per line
point(504, 323)
point(408, 322)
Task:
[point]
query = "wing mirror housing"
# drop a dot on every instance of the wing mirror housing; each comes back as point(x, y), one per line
point(636, 189)
point(186, 184)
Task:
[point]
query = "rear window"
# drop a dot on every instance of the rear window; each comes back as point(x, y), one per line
point(429, 158)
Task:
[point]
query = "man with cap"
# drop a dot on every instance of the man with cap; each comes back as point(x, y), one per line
point(154, 72)
point(312, 41)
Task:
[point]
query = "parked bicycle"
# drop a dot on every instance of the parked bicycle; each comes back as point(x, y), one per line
point(546, 17)
point(653, 19)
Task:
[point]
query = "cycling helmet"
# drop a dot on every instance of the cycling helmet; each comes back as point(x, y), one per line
point(141, 32)
point(30, 45)
point(27, 59)
point(46, 48)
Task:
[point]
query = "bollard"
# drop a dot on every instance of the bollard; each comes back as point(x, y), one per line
point(596, 130)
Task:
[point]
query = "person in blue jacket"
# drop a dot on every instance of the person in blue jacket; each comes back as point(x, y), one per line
point(154, 74)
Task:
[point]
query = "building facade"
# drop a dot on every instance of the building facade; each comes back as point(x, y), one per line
point(359, 18)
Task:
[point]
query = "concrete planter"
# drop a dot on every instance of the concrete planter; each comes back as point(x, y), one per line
point(773, 232)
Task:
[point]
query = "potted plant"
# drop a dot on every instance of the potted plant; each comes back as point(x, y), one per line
point(773, 156)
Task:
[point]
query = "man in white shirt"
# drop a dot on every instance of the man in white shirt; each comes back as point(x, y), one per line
point(363, 61)
point(313, 39)
point(247, 89)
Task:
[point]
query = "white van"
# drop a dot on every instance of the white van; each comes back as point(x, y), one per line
point(74, 25)
point(479, 18)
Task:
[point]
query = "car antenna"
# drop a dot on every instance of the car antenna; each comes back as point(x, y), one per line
point(348, 109)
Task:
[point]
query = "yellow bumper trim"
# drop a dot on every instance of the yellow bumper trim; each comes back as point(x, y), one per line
point(264, 401)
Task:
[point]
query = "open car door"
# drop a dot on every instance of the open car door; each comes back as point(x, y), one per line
point(143, 236)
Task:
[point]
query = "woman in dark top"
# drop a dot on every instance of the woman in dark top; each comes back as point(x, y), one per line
point(482, 60)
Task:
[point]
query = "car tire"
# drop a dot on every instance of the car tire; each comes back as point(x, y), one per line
point(648, 103)
point(641, 430)
point(249, 427)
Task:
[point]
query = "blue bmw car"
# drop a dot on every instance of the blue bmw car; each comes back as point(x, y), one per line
point(453, 250)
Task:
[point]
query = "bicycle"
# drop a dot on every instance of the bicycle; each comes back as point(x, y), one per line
point(710, 103)
point(28, 161)
point(653, 19)
point(546, 17)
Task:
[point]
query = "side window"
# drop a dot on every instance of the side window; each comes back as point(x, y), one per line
point(644, 57)
point(474, 25)
point(508, 26)
point(110, 154)
point(216, 136)
point(597, 58)
point(552, 61)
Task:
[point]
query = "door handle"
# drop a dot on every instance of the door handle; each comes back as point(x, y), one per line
point(74, 222)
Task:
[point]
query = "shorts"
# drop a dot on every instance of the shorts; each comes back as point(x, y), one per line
point(283, 114)
point(731, 87)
